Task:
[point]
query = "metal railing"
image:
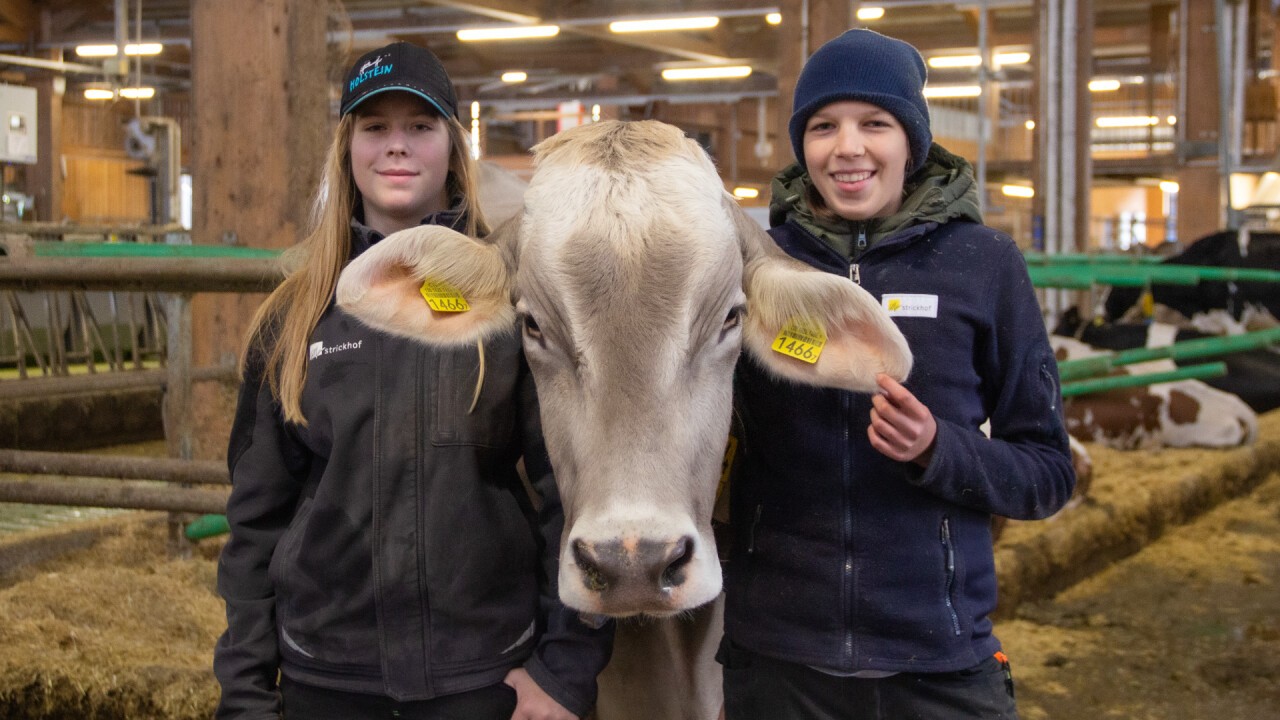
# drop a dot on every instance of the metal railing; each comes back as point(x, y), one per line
point(161, 279)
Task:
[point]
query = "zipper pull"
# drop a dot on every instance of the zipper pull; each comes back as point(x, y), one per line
point(862, 238)
point(855, 273)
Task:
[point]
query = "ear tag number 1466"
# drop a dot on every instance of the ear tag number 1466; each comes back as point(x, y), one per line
point(443, 297)
point(801, 340)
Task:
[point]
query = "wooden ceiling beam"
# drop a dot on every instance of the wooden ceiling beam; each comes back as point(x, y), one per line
point(512, 11)
point(679, 44)
point(19, 20)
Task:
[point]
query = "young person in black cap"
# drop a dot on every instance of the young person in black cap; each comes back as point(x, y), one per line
point(385, 559)
point(861, 576)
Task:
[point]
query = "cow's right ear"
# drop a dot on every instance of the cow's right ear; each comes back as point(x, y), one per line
point(431, 284)
point(784, 296)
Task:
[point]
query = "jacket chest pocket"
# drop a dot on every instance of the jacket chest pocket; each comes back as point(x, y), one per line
point(471, 407)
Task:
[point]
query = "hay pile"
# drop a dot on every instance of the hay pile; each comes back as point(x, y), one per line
point(115, 631)
point(1135, 498)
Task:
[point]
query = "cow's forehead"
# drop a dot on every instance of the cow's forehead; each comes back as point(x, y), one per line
point(607, 233)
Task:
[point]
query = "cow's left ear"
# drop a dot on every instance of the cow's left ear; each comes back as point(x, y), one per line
point(431, 284)
point(787, 300)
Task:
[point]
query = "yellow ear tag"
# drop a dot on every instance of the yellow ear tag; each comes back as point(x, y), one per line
point(443, 297)
point(801, 340)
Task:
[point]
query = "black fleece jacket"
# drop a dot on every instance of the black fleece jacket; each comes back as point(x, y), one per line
point(389, 546)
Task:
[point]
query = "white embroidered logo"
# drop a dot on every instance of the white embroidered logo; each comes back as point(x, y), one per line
point(317, 348)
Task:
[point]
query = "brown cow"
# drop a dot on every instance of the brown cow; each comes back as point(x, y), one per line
point(1183, 413)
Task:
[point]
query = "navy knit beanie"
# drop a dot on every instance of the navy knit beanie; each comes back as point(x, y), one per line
point(869, 67)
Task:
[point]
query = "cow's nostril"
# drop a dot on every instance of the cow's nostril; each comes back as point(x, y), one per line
point(673, 575)
point(593, 577)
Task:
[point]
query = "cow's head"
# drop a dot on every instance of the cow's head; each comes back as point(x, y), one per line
point(636, 280)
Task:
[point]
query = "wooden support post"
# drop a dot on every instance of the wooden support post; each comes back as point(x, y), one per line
point(261, 115)
point(1201, 203)
point(806, 25)
point(46, 175)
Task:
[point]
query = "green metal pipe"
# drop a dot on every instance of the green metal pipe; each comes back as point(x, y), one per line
point(1084, 275)
point(1115, 382)
point(1185, 350)
point(133, 249)
point(1037, 258)
point(206, 526)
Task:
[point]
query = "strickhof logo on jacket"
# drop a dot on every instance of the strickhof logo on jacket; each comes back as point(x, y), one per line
point(318, 349)
point(910, 305)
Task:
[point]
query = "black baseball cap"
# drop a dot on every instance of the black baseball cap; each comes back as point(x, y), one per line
point(399, 66)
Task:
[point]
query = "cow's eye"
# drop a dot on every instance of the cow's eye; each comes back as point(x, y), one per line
point(531, 328)
point(734, 318)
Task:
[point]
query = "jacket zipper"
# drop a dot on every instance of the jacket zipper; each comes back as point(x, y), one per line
point(848, 539)
point(860, 246)
point(949, 553)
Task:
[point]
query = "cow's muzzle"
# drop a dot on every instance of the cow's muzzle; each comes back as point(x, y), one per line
point(641, 572)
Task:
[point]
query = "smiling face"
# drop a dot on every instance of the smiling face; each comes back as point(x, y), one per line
point(399, 160)
point(857, 155)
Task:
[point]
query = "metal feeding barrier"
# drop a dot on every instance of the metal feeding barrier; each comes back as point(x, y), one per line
point(1071, 370)
point(1077, 271)
point(172, 273)
point(1087, 275)
point(90, 303)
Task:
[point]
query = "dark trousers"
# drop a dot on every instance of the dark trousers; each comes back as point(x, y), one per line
point(307, 702)
point(760, 688)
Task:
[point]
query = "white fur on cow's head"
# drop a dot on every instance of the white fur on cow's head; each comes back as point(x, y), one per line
point(637, 280)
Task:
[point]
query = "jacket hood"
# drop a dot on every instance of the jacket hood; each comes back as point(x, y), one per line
point(944, 189)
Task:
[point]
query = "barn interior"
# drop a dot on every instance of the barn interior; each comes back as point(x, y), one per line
point(1131, 148)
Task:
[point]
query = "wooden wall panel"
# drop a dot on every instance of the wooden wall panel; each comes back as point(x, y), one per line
point(97, 185)
point(98, 189)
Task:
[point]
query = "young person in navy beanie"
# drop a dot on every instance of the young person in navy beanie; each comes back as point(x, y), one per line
point(861, 576)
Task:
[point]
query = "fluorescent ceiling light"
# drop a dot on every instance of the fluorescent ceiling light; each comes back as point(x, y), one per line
point(515, 76)
point(663, 24)
point(974, 60)
point(1012, 58)
point(98, 94)
point(1127, 122)
point(952, 91)
point(746, 193)
point(1018, 191)
point(509, 32)
point(1169, 186)
point(773, 18)
point(110, 50)
point(954, 61)
point(138, 93)
point(719, 72)
point(870, 13)
point(1106, 85)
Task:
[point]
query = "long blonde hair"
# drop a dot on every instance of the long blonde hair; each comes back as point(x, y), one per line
point(281, 328)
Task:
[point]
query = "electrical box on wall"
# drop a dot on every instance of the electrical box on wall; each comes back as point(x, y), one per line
point(17, 124)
